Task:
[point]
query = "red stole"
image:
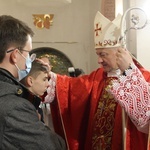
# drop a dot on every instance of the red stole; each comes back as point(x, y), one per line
point(104, 122)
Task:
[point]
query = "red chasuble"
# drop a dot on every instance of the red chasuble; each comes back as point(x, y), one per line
point(88, 118)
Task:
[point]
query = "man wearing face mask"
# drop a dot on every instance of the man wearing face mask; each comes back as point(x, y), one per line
point(28, 62)
point(20, 127)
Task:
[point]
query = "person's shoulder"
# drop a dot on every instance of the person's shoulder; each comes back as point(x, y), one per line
point(98, 72)
point(11, 96)
point(145, 72)
point(94, 75)
point(13, 100)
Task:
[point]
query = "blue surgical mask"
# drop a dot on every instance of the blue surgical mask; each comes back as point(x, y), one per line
point(24, 73)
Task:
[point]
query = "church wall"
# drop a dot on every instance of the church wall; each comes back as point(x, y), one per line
point(139, 39)
point(71, 32)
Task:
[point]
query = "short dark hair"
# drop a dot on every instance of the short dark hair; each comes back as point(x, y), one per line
point(13, 32)
point(36, 68)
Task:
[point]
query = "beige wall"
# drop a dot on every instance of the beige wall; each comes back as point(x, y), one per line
point(72, 30)
point(138, 41)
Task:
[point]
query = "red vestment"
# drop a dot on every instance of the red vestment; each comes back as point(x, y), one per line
point(74, 109)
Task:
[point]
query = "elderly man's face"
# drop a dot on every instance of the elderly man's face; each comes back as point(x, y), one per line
point(107, 58)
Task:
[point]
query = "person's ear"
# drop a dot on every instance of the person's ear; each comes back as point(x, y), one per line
point(29, 81)
point(14, 56)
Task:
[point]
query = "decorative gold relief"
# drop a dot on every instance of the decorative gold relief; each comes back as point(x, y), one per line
point(43, 20)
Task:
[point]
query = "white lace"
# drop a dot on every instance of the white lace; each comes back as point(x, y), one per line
point(114, 73)
point(51, 89)
point(133, 93)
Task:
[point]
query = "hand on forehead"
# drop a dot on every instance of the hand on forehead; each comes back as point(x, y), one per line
point(44, 63)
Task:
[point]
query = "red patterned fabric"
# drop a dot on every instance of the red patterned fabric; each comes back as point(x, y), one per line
point(133, 93)
point(74, 109)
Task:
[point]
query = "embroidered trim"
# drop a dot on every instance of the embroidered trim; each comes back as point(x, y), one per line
point(51, 88)
point(103, 122)
point(133, 94)
point(107, 42)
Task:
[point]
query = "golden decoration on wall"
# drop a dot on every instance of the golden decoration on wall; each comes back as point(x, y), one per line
point(58, 59)
point(43, 20)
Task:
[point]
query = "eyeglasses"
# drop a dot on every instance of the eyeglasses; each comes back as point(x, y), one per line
point(33, 56)
point(19, 48)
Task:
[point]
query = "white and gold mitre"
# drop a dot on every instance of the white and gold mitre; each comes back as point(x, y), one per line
point(107, 33)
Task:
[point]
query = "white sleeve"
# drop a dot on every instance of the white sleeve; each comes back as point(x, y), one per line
point(132, 92)
point(51, 88)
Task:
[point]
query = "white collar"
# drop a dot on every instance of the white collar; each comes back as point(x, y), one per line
point(114, 73)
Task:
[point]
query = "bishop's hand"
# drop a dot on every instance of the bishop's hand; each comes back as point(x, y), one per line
point(124, 59)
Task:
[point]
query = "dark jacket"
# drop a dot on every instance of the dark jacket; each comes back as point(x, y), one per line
point(20, 127)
